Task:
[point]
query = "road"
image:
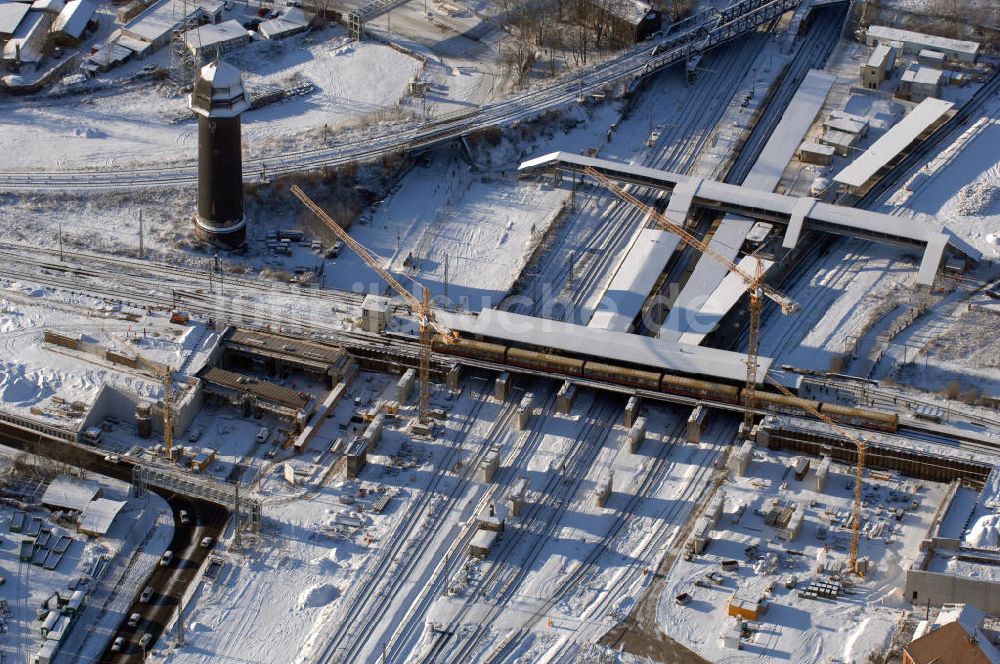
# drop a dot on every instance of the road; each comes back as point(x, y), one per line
point(168, 582)
point(707, 30)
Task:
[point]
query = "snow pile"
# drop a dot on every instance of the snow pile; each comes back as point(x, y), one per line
point(985, 533)
point(981, 197)
point(315, 596)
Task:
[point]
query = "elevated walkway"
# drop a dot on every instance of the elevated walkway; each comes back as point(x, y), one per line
point(795, 213)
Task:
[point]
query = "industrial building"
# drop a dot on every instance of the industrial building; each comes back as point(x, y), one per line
point(98, 517)
point(630, 21)
point(879, 66)
point(27, 44)
point(11, 15)
point(213, 39)
point(914, 42)
point(920, 83)
point(290, 21)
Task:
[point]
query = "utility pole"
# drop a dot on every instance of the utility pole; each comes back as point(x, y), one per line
point(180, 625)
point(446, 275)
point(237, 538)
point(60, 242)
point(142, 251)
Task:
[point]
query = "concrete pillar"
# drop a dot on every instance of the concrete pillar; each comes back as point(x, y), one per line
point(631, 411)
point(524, 411)
point(696, 424)
point(501, 386)
point(603, 490)
point(404, 386)
point(453, 377)
point(565, 398)
point(636, 435)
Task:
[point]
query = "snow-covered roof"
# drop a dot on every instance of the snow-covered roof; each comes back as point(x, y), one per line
point(218, 91)
point(98, 516)
point(156, 23)
point(71, 493)
point(640, 267)
point(288, 22)
point(11, 15)
point(795, 122)
point(884, 33)
point(923, 76)
point(73, 19)
point(722, 299)
point(845, 125)
point(817, 148)
point(602, 344)
point(879, 56)
point(206, 37)
point(630, 11)
point(892, 142)
point(30, 37)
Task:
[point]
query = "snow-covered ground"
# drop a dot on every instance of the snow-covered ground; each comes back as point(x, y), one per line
point(796, 628)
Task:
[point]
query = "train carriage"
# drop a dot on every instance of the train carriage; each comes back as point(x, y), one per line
point(480, 350)
point(781, 403)
point(648, 380)
point(861, 417)
point(530, 359)
point(700, 389)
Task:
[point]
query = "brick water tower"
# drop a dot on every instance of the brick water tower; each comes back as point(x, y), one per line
point(219, 98)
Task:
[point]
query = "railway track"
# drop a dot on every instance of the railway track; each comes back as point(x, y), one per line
point(402, 551)
point(702, 34)
point(664, 538)
point(502, 578)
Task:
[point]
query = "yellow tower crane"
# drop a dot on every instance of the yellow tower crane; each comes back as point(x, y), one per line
point(755, 283)
point(423, 306)
point(758, 290)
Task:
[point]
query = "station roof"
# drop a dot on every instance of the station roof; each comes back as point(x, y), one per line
point(98, 516)
point(71, 493)
point(295, 351)
point(640, 267)
point(601, 344)
point(803, 108)
point(722, 299)
point(891, 143)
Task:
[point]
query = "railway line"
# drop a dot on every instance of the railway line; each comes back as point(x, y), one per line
point(657, 546)
point(708, 30)
point(402, 550)
point(502, 578)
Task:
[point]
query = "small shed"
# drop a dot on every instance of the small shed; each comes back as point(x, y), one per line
point(744, 604)
point(289, 22)
point(211, 40)
point(70, 493)
point(98, 517)
point(816, 153)
point(482, 542)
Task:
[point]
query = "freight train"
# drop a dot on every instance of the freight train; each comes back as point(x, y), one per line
point(658, 381)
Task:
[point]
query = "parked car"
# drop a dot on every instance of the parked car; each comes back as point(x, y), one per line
point(194, 435)
point(144, 641)
point(118, 644)
point(166, 558)
point(147, 594)
point(207, 542)
point(262, 434)
point(133, 620)
point(185, 519)
point(112, 458)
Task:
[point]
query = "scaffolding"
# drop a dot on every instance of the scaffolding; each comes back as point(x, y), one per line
point(183, 63)
point(248, 512)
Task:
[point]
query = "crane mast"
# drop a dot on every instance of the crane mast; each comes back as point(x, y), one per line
point(425, 314)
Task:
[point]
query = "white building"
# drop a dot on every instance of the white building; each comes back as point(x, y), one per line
point(914, 42)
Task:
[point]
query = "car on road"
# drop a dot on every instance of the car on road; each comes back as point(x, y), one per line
point(185, 519)
point(207, 542)
point(118, 644)
point(112, 458)
point(147, 594)
point(134, 619)
point(144, 641)
point(166, 558)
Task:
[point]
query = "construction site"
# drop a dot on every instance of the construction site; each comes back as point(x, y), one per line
point(397, 333)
